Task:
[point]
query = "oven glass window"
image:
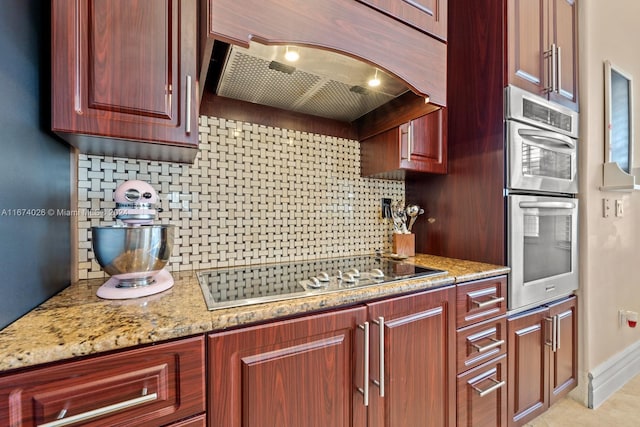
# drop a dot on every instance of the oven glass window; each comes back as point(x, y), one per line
point(538, 161)
point(547, 246)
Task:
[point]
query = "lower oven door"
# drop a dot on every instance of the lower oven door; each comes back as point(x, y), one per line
point(543, 249)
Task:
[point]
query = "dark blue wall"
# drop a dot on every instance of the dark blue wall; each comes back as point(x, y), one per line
point(34, 165)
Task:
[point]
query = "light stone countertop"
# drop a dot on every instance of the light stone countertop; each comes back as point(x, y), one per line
point(76, 322)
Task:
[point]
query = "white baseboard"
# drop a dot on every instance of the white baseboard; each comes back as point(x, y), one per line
point(611, 375)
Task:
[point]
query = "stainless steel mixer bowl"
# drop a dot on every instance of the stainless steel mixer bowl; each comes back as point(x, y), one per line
point(132, 254)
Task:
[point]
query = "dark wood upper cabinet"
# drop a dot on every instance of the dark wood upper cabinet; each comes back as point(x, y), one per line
point(124, 79)
point(527, 42)
point(347, 27)
point(418, 145)
point(543, 48)
point(564, 33)
point(427, 15)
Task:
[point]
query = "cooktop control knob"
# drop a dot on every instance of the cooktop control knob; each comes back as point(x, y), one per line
point(377, 273)
point(354, 272)
point(323, 276)
point(314, 282)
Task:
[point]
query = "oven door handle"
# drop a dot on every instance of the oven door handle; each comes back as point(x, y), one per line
point(546, 137)
point(547, 205)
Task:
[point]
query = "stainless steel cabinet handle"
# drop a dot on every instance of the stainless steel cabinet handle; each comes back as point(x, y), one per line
point(555, 333)
point(188, 106)
point(86, 416)
point(409, 141)
point(556, 328)
point(554, 69)
point(559, 60)
point(549, 54)
point(547, 341)
point(494, 343)
point(490, 301)
point(365, 389)
point(496, 385)
point(380, 383)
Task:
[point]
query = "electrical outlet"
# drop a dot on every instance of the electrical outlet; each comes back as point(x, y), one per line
point(606, 208)
point(619, 208)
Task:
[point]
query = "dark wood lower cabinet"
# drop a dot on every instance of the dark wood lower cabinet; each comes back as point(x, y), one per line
point(482, 395)
point(563, 363)
point(419, 362)
point(294, 373)
point(542, 348)
point(148, 386)
point(309, 371)
point(528, 370)
point(199, 421)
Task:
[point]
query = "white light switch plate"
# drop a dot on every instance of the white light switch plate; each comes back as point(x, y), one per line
point(619, 208)
point(606, 208)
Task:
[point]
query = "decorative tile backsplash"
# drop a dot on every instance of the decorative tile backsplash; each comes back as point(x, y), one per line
point(255, 194)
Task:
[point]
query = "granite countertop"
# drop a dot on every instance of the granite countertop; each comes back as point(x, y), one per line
point(76, 322)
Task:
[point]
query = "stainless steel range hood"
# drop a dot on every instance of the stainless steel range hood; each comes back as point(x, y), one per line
point(320, 83)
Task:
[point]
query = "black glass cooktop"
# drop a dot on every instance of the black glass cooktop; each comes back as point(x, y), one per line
point(233, 287)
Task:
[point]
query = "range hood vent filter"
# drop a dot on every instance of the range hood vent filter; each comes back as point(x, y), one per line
point(260, 79)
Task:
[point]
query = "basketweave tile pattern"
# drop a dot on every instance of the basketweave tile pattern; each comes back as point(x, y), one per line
point(254, 195)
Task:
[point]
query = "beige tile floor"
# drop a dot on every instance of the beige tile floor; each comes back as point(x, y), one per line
point(620, 410)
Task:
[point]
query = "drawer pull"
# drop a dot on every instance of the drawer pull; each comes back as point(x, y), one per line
point(491, 301)
point(494, 343)
point(85, 416)
point(496, 385)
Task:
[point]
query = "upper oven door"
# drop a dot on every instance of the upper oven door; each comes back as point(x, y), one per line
point(540, 160)
point(543, 248)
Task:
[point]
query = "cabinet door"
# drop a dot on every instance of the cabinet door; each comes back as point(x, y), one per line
point(564, 33)
point(125, 71)
point(423, 143)
point(419, 145)
point(150, 386)
point(419, 361)
point(527, 43)
point(427, 15)
point(528, 378)
point(563, 362)
point(482, 395)
point(301, 372)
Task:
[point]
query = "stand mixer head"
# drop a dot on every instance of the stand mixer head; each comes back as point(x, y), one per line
point(134, 252)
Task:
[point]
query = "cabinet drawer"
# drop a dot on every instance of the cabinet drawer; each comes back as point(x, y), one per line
point(480, 343)
point(150, 386)
point(199, 421)
point(482, 395)
point(481, 300)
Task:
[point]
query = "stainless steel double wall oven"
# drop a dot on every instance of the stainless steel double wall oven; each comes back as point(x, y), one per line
point(542, 208)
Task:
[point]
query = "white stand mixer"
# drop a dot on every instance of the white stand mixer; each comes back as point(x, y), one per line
point(134, 254)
